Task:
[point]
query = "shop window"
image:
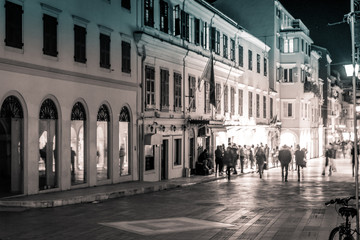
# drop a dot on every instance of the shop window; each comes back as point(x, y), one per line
point(50, 35)
point(48, 146)
point(124, 143)
point(77, 145)
point(102, 140)
point(149, 157)
point(177, 152)
point(13, 25)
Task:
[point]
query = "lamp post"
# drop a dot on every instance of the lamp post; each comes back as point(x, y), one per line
point(354, 70)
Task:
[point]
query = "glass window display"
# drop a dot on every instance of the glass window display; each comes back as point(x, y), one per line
point(102, 154)
point(124, 147)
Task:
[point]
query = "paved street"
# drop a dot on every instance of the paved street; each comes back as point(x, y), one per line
point(246, 207)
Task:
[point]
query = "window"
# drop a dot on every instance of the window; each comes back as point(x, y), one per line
point(104, 51)
point(257, 105)
point(126, 57)
point(13, 25)
point(215, 40)
point(271, 108)
point(164, 94)
point(50, 35)
point(241, 56)
point(250, 104)
point(232, 49)
point(197, 31)
point(288, 110)
point(149, 13)
point(290, 45)
point(185, 28)
point(126, 4)
point(288, 75)
point(150, 87)
point(257, 63)
point(226, 99)
point(204, 35)
point(149, 157)
point(264, 106)
point(177, 92)
point(232, 101)
point(102, 140)
point(241, 102)
point(124, 143)
point(164, 16)
point(265, 67)
point(80, 44)
point(218, 97)
point(207, 97)
point(225, 46)
point(250, 62)
point(177, 152)
point(177, 21)
point(192, 94)
point(302, 45)
point(296, 44)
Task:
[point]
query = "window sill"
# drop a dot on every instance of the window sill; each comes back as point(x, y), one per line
point(14, 49)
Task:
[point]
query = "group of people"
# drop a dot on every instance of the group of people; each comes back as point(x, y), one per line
point(285, 157)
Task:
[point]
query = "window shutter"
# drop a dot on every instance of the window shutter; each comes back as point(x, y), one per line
point(281, 45)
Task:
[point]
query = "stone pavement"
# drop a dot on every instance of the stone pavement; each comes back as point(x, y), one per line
point(246, 207)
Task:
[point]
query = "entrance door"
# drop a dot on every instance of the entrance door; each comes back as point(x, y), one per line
point(11, 147)
point(164, 159)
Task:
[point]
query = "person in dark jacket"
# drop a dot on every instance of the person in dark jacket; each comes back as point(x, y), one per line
point(219, 159)
point(299, 159)
point(260, 160)
point(285, 159)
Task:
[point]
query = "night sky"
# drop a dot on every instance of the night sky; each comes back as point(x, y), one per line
point(316, 15)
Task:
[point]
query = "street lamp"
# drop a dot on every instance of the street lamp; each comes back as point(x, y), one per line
point(354, 69)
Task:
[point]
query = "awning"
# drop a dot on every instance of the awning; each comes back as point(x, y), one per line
point(198, 121)
point(153, 139)
point(217, 128)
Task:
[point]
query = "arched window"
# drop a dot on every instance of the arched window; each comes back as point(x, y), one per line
point(102, 140)
point(124, 145)
point(77, 144)
point(11, 147)
point(48, 145)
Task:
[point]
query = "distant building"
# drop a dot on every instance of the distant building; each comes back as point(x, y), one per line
point(289, 67)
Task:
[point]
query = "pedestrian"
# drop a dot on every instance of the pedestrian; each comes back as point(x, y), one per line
point(242, 157)
point(332, 156)
point(300, 161)
point(291, 168)
point(260, 160)
point(228, 161)
point(267, 151)
point(353, 157)
point(275, 156)
point(235, 156)
point(251, 156)
point(285, 158)
point(219, 160)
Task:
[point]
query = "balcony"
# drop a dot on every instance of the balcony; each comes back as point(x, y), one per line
point(296, 25)
point(312, 87)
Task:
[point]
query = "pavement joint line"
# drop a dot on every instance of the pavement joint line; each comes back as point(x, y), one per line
point(301, 225)
point(234, 216)
point(244, 227)
point(267, 227)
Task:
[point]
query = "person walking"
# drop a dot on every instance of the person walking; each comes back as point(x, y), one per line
point(353, 157)
point(267, 152)
point(228, 161)
point(235, 156)
point(242, 157)
point(251, 156)
point(275, 156)
point(285, 158)
point(219, 160)
point(300, 161)
point(260, 160)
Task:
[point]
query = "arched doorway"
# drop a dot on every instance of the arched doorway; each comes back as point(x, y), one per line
point(102, 141)
point(48, 160)
point(77, 144)
point(11, 147)
point(124, 143)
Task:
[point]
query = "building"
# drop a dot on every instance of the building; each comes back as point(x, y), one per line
point(68, 95)
point(289, 67)
point(179, 43)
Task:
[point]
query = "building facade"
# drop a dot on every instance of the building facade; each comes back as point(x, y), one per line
point(67, 96)
point(290, 66)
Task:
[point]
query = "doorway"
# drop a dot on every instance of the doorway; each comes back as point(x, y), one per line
point(164, 159)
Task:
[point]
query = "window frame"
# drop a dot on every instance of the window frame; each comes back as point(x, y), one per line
point(192, 93)
point(164, 90)
point(164, 16)
point(13, 25)
point(225, 46)
point(150, 88)
point(250, 60)
point(50, 35)
point(149, 13)
point(79, 43)
point(105, 50)
point(125, 56)
point(241, 102)
point(177, 92)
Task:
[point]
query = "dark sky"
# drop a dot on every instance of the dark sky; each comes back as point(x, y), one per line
point(316, 15)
